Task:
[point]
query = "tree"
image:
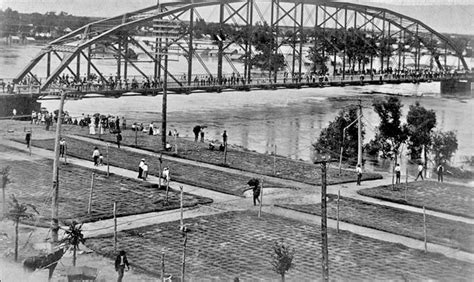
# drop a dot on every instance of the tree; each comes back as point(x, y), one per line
point(331, 137)
point(443, 146)
point(318, 61)
point(282, 259)
point(73, 238)
point(390, 133)
point(420, 124)
point(4, 180)
point(266, 57)
point(18, 212)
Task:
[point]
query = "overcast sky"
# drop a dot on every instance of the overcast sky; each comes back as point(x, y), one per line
point(108, 8)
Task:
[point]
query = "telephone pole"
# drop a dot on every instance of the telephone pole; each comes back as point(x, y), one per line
point(323, 159)
point(359, 135)
point(54, 204)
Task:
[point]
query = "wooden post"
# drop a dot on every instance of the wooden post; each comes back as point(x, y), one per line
point(65, 153)
point(160, 172)
point(115, 227)
point(225, 153)
point(175, 144)
point(168, 185)
point(324, 231)
point(424, 229)
point(89, 209)
point(31, 139)
point(163, 267)
point(183, 266)
point(108, 165)
point(274, 158)
point(181, 207)
point(136, 136)
point(54, 202)
point(261, 199)
point(406, 183)
point(337, 214)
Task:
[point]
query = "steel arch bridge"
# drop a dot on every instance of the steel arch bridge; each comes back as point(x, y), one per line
point(401, 42)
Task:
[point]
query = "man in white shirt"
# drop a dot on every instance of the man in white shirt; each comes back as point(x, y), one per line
point(420, 172)
point(140, 168)
point(397, 174)
point(359, 174)
point(145, 170)
point(166, 175)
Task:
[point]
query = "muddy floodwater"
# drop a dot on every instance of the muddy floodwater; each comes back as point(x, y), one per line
point(290, 118)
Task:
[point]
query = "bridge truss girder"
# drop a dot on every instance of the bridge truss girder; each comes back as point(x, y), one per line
point(118, 33)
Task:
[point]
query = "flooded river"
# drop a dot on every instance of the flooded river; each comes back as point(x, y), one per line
point(291, 118)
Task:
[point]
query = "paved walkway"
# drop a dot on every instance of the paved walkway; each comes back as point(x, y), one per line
point(224, 202)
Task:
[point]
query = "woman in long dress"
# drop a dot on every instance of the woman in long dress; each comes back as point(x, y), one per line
point(91, 128)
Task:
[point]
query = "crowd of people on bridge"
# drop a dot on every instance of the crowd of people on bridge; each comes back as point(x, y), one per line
point(94, 82)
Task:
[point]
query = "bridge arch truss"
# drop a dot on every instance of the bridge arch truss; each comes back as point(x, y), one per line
point(291, 22)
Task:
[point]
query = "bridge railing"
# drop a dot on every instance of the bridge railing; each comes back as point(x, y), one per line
point(228, 80)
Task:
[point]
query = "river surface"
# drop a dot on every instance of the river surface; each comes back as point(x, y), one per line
point(291, 118)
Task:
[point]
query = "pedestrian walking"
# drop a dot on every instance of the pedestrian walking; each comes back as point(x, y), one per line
point(420, 172)
point(62, 147)
point(14, 113)
point(95, 156)
point(440, 171)
point(124, 123)
point(101, 160)
point(140, 168)
point(120, 263)
point(202, 134)
point(145, 171)
point(196, 131)
point(255, 184)
point(397, 174)
point(224, 138)
point(28, 139)
point(166, 175)
point(359, 174)
point(119, 139)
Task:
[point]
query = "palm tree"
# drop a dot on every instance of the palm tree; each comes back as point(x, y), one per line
point(73, 238)
point(4, 180)
point(17, 212)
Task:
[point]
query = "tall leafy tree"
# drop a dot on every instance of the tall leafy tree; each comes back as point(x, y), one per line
point(390, 133)
point(265, 56)
point(318, 60)
point(443, 146)
point(331, 138)
point(4, 180)
point(420, 124)
point(282, 259)
point(17, 212)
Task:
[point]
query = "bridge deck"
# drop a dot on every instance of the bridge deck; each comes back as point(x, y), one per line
point(96, 91)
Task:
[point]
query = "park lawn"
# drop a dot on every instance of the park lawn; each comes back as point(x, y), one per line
point(212, 179)
point(442, 231)
point(237, 158)
point(32, 184)
point(234, 244)
point(438, 196)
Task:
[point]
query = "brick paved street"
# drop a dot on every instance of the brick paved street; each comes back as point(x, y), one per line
point(32, 180)
point(443, 197)
point(236, 158)
point(442, 231)
point(194, 175)
point(238, 244)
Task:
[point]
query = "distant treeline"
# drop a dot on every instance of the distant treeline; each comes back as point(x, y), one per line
point(52, 24)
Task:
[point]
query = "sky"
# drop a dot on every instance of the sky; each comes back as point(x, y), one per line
point(108, 8)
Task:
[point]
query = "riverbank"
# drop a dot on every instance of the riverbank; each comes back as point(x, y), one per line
point(227, 239)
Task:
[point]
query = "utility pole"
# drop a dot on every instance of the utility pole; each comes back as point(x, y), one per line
point(323, 159)
point(54, 204)
point(359, 135)
point(165, 98)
